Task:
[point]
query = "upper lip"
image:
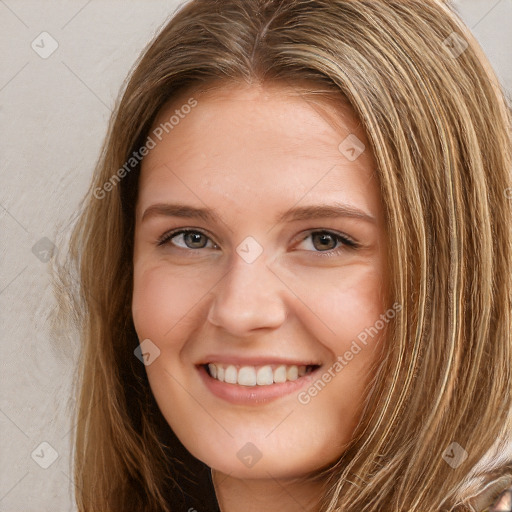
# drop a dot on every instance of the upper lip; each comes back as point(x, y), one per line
point(257, 361)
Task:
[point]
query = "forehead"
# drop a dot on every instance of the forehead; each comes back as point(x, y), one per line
point(291, 108)
point(241, 139)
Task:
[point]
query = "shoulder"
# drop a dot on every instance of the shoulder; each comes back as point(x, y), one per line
point(504, 501)
point(496, 499)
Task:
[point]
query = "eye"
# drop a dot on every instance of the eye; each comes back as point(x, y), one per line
point(187, 239)
point(322, 241)
point(326, 242)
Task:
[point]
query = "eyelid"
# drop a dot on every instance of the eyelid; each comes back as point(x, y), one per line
point(347, 241)
point(168, 235)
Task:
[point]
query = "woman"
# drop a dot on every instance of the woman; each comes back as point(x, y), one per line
point(231, 357)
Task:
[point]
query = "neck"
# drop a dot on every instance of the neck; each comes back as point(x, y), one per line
point(271, 495)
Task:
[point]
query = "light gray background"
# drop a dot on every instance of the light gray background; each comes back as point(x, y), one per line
point(54, 114)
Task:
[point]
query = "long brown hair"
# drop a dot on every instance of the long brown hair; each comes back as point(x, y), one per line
point(440, 128)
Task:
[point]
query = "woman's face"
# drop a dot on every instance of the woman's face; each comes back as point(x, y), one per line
point(261, 323)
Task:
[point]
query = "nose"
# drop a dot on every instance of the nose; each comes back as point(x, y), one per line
point(249, 297)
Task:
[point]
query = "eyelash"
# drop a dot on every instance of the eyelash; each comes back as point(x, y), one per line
point(347, 242)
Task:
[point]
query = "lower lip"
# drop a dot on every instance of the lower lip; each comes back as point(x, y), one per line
point(252, 395)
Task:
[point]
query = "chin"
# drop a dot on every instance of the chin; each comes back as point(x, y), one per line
point(260, 456)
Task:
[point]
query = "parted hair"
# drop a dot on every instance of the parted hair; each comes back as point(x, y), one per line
point(439, 126)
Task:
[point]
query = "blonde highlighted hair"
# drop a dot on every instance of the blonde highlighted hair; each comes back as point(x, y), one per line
point(439, 126)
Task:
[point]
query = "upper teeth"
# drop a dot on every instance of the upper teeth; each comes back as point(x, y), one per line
point(255, 376)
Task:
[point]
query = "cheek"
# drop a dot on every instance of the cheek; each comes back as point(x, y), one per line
point(356, 304)
point(342, 301)
point(346, 311)
point(162, 299)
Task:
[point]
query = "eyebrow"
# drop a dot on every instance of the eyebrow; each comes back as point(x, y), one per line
point(293, 214)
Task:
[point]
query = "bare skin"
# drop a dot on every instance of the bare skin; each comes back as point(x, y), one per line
point(250, 154)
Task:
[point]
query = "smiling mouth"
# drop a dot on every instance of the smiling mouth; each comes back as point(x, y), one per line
point(264, 375)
